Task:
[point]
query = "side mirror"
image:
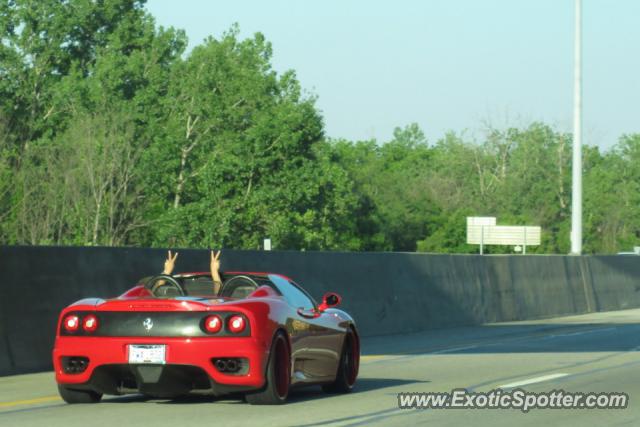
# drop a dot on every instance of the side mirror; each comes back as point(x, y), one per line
point(330, 299)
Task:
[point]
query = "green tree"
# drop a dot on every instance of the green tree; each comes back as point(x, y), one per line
point(110, 135)
point(612, 198)
point(241, 157)
point(46, 41)
point(73, 62)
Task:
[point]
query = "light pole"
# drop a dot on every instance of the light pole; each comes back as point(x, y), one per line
point(576, 187)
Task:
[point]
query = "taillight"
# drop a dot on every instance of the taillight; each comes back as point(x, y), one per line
point(90, 323)
point(213, 324)
point(237, 324)
point(71, 323)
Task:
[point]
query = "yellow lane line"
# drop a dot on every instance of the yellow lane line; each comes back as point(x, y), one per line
point(375, 357)
point(30, 401)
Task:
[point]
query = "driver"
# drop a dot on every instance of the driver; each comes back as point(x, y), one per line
point(214, 266)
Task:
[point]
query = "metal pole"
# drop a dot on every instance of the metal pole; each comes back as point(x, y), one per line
point(576, 192)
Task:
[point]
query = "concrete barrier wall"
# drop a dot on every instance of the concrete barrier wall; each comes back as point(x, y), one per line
point(387, 293)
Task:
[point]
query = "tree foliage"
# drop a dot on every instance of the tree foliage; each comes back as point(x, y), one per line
point(110, 134)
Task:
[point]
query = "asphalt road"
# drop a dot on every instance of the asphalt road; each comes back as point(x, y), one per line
point(589, 353)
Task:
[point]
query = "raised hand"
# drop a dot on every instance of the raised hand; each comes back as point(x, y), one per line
point(170, 263)
point(215, 261)
point(215, 270)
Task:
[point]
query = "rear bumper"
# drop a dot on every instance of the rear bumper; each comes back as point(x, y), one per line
point(188, 361)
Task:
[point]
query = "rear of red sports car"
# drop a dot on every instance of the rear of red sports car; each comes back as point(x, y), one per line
point(171, 335)
point(162, 347)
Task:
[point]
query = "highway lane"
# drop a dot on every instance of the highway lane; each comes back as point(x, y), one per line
point(596, 352)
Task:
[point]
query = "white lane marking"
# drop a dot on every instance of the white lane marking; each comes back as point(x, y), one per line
point(453, 350)
point(573, 334)
point(533, 380)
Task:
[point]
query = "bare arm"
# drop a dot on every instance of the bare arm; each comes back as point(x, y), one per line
point(215, 271)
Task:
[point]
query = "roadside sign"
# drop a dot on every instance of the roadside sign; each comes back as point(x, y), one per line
point(484, 231)
point(509, 235)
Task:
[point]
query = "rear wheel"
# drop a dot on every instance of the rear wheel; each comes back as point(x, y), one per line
point(278, 375)
point(78, 396)
point(348, 367)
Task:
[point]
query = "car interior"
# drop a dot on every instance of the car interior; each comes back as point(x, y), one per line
point(236, 286)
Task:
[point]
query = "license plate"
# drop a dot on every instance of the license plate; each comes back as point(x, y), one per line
point(146, 353)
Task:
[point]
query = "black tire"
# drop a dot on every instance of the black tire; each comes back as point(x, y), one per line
point(78, 396)
point(278, 375)
point(348, 367)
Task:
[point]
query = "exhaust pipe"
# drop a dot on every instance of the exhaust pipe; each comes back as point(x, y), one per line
point(221, 365)
point(232, 365)
point(75, 364)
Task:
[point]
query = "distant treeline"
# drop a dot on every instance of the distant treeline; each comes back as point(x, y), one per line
point(110, 134)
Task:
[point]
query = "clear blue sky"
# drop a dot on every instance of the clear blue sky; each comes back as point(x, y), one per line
point(445, 64)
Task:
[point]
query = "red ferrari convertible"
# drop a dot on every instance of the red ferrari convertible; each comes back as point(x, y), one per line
point(168, 336)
